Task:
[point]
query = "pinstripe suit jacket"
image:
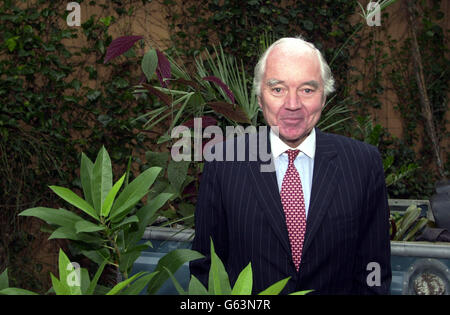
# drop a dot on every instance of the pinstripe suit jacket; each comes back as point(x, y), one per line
point(239, 207)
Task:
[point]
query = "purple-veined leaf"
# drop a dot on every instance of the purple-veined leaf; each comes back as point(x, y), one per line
point(222, 85)
point(163, 97)
point(206, 121)
point(163, 70)
point(230, 111)
point(119, 46)
point(187, 82)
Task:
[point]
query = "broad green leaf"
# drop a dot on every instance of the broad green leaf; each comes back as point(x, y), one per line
point(146, 214)
point(177, 285)
point(68, 276)
point(121, 285)
point(244, 282)
point(101, 179)
point(149, 63)
point(219, 283)
point(196, 287)
point(107, 204)
point(58, 287)
point(275, 288)
point(411, 214)
point(87, 227)
point(4, 281)
point(172, 261)
point(98, 256)
point(128, 220)
point(86, 178)
point(53, 216)
point(85, 281)
point(65, 232)
point(74, 200)
point(16, 291)
point(420, 224)
point(94, 281)
point(301, 292)
point(137, 286)
point(134, 192)
point(128, 257)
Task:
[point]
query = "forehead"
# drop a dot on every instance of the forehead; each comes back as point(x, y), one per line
point(292, 64)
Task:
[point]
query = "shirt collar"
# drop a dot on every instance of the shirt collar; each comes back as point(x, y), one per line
point(308, 146)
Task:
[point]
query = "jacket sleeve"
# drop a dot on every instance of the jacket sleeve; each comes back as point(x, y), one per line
point(210, 223)
point(373, 262)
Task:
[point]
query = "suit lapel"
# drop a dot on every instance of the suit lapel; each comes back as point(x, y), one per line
point(323, 185)
point(266, 192)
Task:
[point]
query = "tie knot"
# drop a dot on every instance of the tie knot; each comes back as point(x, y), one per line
point(292, 154)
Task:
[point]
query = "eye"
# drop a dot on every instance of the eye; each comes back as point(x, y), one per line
point(277, 90)
point(307, 91)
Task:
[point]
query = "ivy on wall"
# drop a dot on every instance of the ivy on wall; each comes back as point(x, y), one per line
point(241, 27)
point(50, 112)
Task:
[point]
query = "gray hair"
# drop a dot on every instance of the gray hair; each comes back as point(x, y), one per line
point(325, 71)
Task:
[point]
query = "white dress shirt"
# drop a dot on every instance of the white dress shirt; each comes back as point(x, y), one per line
point(304, 163)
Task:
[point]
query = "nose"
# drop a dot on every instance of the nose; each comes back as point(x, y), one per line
point(292, 101)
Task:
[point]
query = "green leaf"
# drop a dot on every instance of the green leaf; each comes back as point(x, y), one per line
point(275, 288)
point(106, 208)
point(69, 278)
point(196, 287)
point(4, 281)
point(86, 178)
point(244, 282)
point(128, 220)
point(53, 216)
point(16, 291)
point(98, 256)
point(177, 285)
point(219, 283)
point(86, 226)
point(137, 286)
point(58, 287)
point(128, 257)
point(94, 281)
point(301, 292)
point(146, 215)
point(121, 285)
point(65, 232)
point(149, 63)
point(134, 192)
point(101, 179)
point(74, 200)
point(411, 214)
point(172, 261)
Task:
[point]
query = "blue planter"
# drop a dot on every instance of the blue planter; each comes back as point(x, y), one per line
point(164, 240)
point(409, 260)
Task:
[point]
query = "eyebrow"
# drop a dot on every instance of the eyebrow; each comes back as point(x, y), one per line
point(313, 83)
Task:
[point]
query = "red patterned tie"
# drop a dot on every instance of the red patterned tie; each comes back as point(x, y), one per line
point(294, 207)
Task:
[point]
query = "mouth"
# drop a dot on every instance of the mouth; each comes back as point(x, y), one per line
point(291, 120)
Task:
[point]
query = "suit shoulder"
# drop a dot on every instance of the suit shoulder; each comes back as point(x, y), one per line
point(352, 148)
point(346, 143)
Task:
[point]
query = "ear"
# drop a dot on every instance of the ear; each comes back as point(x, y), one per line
point(259, 102)
point(324, 100)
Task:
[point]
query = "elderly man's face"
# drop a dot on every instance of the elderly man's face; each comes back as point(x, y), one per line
point(292, 93)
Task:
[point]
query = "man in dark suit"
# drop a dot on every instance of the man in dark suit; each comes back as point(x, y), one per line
point(320, 216)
